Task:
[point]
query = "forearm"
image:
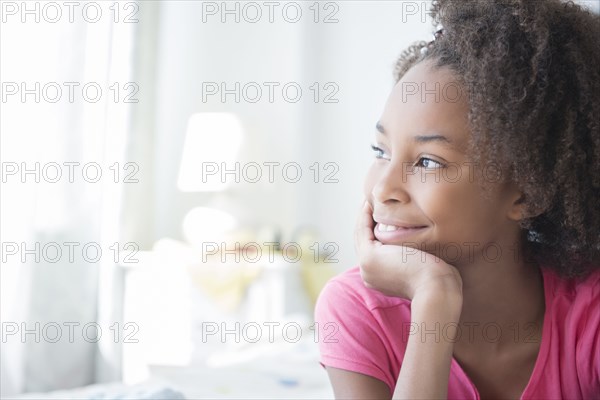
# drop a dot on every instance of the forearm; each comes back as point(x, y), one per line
point(426, 365)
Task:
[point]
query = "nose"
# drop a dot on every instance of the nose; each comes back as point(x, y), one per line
point(391, 183)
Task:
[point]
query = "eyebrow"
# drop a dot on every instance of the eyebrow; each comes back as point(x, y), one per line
point(422, 138)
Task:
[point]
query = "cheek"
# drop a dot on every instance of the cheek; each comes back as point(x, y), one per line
point(370, 181)
point(459, 217)
point(452, 205)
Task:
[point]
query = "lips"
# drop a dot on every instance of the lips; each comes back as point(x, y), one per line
point(394, 227)
point(391, 225)
point(389, 231)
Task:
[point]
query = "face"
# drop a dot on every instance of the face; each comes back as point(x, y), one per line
point(425, 192)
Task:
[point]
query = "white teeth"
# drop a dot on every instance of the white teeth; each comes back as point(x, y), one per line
point(387, 228)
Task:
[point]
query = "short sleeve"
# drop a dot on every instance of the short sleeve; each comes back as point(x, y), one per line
point(350, 336)
point(588, 346)
point(568, 364)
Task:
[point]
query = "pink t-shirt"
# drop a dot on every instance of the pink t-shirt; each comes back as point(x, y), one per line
point(362, 330)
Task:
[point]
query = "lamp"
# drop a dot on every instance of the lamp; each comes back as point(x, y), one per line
point(212, 143)
point(212, 140)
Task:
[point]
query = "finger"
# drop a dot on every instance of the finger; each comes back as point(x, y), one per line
point(364, 222)
point(364, 236)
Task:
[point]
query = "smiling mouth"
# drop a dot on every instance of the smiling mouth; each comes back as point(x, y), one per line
point(392, 228)
point(393, 234)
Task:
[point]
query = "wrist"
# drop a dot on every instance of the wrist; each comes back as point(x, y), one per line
point(437, 304)
point(436, 318)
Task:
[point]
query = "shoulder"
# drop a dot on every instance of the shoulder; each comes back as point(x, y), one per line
point(574, 320)
point(574, 302)
point(574, 293)
point(360, 329)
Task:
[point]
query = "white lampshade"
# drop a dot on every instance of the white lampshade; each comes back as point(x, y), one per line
point(212, 143)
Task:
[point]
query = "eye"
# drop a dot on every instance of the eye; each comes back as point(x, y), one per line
point(379, 153)
point(428, 163)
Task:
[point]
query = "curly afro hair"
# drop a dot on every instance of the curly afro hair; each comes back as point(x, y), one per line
point(531, 70)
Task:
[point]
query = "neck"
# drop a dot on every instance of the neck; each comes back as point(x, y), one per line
point(503, 300)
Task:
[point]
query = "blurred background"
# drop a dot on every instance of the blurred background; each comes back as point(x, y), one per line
point(179, 180)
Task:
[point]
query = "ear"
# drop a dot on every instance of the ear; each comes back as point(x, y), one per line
point(516, 209)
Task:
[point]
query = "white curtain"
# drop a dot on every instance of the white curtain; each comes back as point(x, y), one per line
point(47, 298)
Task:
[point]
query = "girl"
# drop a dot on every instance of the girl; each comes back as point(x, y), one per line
point(478, 243)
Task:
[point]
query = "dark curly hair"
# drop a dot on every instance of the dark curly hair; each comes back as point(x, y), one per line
point(531, 70)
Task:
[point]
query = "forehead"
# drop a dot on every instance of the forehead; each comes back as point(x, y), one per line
point(427, 101)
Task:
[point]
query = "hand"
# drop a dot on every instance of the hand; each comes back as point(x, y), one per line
point(401, 271)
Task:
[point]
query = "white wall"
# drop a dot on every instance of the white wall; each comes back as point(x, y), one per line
point(357, 53)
